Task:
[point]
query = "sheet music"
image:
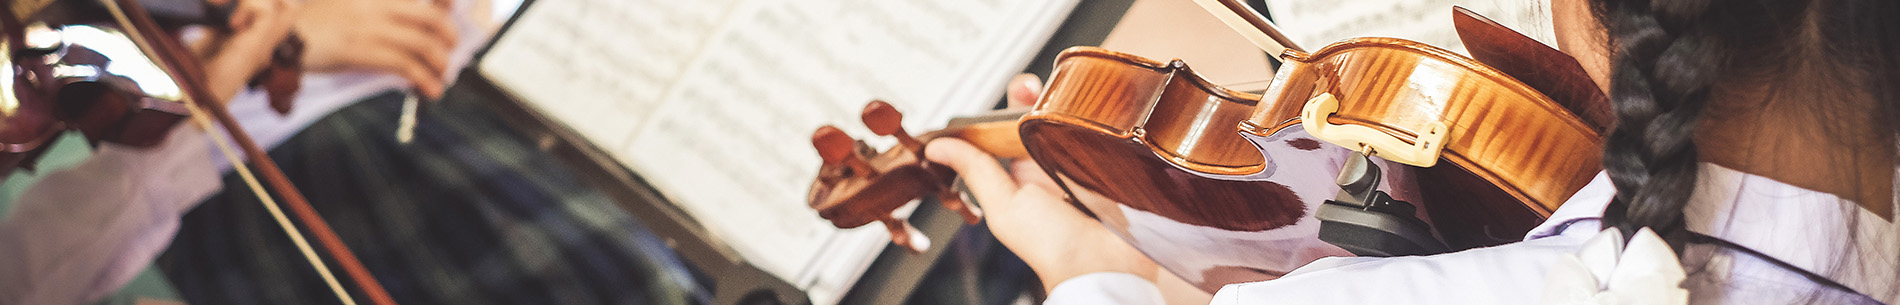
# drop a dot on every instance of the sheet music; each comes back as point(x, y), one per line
point(1315, 24)
point(714, 102)
point(559, 51)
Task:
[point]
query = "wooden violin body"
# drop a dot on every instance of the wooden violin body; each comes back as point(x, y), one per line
point(1149, 149)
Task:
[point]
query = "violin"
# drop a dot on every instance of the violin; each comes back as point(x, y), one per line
point(77, 76)
point(1150, 149)
point(857, 184)
point(115, 71)
point(1219, 186)
point(1516, 153)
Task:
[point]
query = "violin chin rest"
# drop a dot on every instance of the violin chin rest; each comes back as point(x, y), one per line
point(1386, 229)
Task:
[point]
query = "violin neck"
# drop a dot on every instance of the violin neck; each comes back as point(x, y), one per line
point(1250, 24)
point(994, 132)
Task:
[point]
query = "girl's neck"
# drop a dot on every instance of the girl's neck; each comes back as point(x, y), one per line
point(1820, 139)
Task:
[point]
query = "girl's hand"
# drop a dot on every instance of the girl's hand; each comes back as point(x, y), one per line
point(257, 27)
point(1028, 213)
point(410, 38)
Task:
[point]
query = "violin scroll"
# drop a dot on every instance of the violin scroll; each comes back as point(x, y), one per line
point(857, 184)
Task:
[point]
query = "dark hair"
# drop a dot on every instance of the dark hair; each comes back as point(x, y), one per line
point(1670, 54)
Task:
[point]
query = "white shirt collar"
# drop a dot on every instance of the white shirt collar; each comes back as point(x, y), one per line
point(1804, 228)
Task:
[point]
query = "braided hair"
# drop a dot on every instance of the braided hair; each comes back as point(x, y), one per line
point(1664, 67)
point(1668, 55)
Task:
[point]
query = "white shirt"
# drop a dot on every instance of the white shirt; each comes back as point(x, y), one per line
point(1802, 227)
point(84, 232)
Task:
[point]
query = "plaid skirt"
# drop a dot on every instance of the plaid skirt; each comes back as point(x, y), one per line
point(468, 213)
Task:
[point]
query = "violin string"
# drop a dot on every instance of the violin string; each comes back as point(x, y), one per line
point(1248, 85)
point(237, 165)
point(1251, 82)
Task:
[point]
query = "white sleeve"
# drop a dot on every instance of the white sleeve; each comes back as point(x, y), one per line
point(1104, 288)
point(1507, 274)
point(83, 232)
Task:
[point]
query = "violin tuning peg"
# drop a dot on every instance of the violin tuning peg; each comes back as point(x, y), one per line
point(833, 144)
point(884, 120)
point(907, 236)
point(953, 200)
point(835, 147)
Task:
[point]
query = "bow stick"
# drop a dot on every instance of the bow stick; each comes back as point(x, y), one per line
point(184, 70)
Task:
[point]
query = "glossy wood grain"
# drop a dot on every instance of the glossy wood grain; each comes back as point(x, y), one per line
point(1139, 131)
point(1149, 149)
point(1549, 71)
point(1503, 134)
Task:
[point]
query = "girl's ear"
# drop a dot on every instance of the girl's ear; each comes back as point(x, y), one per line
point(1583, 37)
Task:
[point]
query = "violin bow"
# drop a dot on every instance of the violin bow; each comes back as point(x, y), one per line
point(184, 70)
point(1250, 24)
